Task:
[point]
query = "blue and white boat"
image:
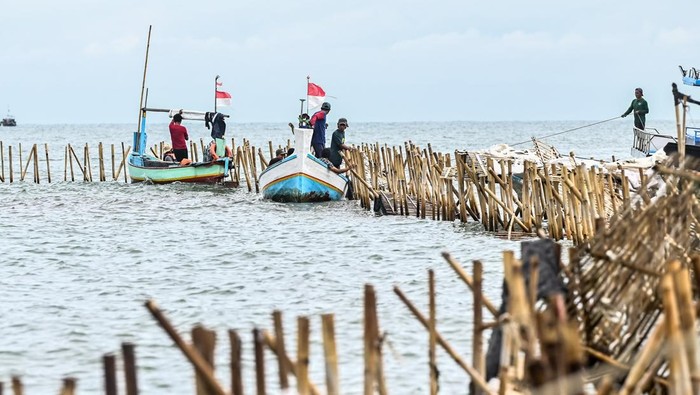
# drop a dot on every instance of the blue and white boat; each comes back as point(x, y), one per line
point(650, 141)
point(302, 177)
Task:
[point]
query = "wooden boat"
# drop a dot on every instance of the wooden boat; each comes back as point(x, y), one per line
point(649, 141)
point(302, 177)
point(146, 167)
point(9, 120)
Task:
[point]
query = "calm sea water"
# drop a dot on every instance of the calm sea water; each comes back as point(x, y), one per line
point(78, 261)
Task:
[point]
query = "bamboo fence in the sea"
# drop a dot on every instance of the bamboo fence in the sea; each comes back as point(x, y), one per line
point(562, 199)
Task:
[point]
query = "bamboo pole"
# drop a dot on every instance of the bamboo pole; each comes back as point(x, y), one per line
point(69, 384)
point(678, 361)
point(114, 173)
point(192, 355)
point(2, 165)
point(48, 167)
point(259, 362)
point(279, 335)
point(17, 387)
point(204, 342)
point(36, 164)
point(432, 323)
point(23, 172)
point(291, 365)
point(369, 356)
point(236, 351)
point(331, 355)
point(109, 364)
point(65, 164)
point(244, 160)
point(477, 343)
point(302, 366)
point(131, 383)
point(101, 161)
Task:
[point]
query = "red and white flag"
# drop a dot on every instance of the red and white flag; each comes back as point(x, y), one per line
point(316, 95)
point(222, 98)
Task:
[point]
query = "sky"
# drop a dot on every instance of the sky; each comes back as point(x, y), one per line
point(82, 61)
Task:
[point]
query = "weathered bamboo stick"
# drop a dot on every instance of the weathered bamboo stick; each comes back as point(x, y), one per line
point(279, 335)
point(432, 322)
point(101, 161)
point(259, 362)
point(477, 343)
point(109, 363)
point(236, 369)
point(69, 384)
point(291, 365)
point(48, 167)
point(17, 387)
point(23, 172)
point(131, 383)
point(192, 355)
point(302, 366)
point(2, 165)
point(678, 361)
point(331, 355)
point(204, 341)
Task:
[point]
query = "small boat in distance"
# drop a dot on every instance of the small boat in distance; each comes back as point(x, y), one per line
point(9, 120)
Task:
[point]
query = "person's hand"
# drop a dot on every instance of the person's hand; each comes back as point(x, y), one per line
point(623, 115)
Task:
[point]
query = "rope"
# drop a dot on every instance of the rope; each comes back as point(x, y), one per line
point(567, 131)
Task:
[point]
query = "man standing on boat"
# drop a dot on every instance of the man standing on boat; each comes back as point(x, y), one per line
point(338, 142)
point(640, 108)
point(178, 135)
point(318, 122)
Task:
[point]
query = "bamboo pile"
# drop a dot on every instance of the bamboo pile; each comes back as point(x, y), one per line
point(563, 199)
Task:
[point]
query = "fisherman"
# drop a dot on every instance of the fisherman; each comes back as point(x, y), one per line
point(279, 156)
point(318, 123)
point(338, 142)
point(640, 108)
point(178, 135)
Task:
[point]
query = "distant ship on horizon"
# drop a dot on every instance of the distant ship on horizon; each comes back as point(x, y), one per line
point(9, 120)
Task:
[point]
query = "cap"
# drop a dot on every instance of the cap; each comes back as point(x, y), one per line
point(166, 147)
point(640, 90)
point(279, 152)
point(343, 120)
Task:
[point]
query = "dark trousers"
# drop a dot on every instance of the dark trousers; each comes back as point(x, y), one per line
point(180, 154)
point(318, 149)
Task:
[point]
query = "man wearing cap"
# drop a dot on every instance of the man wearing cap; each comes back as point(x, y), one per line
point(338, 142)
point(279, 157)
point(640, 108)
point(318, 123)
point(178, 135)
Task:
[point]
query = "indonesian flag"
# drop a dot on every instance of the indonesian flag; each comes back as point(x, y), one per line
point(316, 95)
point(222, 98)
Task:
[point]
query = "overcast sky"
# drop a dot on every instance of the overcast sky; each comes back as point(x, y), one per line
point(81, 61)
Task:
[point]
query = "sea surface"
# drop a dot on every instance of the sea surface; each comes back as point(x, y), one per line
point(78, 261)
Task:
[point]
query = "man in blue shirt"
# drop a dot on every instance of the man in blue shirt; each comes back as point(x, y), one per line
point(318, 122)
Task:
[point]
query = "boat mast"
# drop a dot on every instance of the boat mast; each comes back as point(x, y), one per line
point(143, 84)
point(216, 88)
point(308, 78)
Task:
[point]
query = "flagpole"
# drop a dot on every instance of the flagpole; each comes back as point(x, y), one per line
point(143, 83)
point(216, 87)
point(308, 78)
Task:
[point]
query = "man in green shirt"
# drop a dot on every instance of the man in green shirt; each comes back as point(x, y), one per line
point(338, 142)
point(640, 108)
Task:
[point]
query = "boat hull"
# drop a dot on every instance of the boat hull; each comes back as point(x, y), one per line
point(205, 173)
point(302, 178)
